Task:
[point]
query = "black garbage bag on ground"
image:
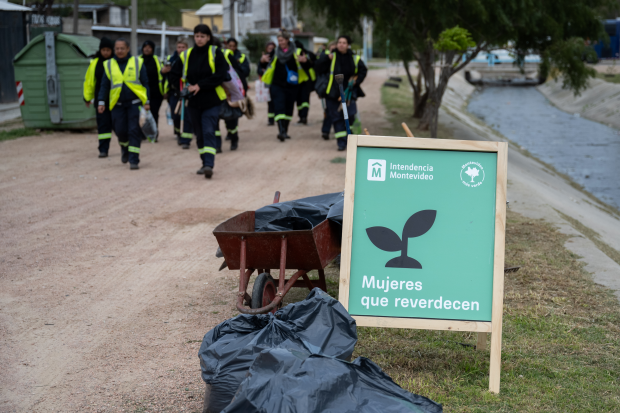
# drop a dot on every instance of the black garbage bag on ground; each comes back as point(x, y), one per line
point(305, 213)
point(319, 324)
point(292, 381)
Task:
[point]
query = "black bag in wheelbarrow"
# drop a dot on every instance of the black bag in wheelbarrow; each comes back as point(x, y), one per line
point(293, 381)
point(317, 325)
point(300, 214)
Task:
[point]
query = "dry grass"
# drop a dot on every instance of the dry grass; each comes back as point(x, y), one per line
point(561, 342)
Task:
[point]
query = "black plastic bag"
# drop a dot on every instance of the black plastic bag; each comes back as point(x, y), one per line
point(305, 213)
point(319, 324)
point(292, 381)
point(227, 112)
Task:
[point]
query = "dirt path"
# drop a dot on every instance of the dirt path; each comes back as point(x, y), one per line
point(108, 279)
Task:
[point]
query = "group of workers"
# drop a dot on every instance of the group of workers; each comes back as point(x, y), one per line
point(193, 81)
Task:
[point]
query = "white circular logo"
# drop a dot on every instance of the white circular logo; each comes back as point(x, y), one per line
point(472, 174)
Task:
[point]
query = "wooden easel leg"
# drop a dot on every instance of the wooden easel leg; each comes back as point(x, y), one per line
point(482, 342)
point(496, 360)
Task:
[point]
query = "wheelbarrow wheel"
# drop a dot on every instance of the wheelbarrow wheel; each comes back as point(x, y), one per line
point(264, 291)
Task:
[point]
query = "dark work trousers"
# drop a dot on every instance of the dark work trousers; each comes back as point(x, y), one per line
point(303, 99)
point(334, 111)
point(185, 137)
point(327, 122)
point(270, 112)
point(126, 124)
point(232, 127)
point(155, 106)
point(205, 122)
point(283, 99)
point(104, 129)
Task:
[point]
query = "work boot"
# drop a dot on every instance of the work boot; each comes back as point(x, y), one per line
point(201, 171)
point(302, 121)
point(218, 150)
point(227, 137)
point(185, 146)
point(208, 171)
point(286, 123)
point(234, 142)
point(124, 154)
point(133, 166)
point(270, 122)
point(282, 131)
point(179, 141)
point(103, 154)
point(325, 136)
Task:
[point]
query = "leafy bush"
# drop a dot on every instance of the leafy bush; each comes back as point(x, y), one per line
point(255, 43)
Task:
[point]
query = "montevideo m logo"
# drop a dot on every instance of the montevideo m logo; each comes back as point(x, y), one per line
point(387, 240)
point(376, 170)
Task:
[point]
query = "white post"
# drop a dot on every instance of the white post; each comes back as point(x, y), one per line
point(134, 27)
point(365, 50)
point(163, 42)
point(236, 21)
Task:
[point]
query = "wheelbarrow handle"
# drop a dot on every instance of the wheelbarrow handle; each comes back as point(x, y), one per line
point(276, 198)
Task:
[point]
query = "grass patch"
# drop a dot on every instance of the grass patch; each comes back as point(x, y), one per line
point(339, 159)
point(607, 78)
point(398, 104)
point(561, 341)
point(17, 133)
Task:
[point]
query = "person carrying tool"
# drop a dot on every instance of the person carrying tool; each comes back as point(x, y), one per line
point(124, 88)
point(327, 120)
point(306, 87)
point(342, 62)
point(241, 64)
point(283, 74)
point(156, 79)
point(203, 69)
point(260, 71)
point(92, 84)
point(173, 90)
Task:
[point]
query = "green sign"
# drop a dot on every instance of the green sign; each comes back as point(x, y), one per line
point(423, 234)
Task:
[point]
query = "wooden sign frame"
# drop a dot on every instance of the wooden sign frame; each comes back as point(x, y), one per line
point(482, 328)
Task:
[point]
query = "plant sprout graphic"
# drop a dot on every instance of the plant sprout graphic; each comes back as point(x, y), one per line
point(472, 172)
point(387, 240)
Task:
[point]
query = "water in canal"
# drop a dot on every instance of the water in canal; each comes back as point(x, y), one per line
point(587, 151)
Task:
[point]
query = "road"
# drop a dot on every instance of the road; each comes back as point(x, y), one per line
point(108, 279)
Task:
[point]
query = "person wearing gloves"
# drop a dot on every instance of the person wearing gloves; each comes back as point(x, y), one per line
point(260, 71)
point(204, 69)
point(342, 61)
point(156, 79)
point(184, 137)
point(92, 85)
point(305, 88)
point(283, 74)
point(124, 88)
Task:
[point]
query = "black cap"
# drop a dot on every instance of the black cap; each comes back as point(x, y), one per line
point(105, 42)
point(148, 43)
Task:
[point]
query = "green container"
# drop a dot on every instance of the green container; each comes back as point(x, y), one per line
point(69, 64)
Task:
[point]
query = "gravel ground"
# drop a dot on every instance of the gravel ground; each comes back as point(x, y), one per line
point(108, 279)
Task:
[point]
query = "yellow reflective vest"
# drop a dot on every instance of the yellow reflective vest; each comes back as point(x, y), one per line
point(131, 78)
point(221, 93)
point(356, 60)
point(271, 68)
point(311, 71)
point(160, 77)
point(90, 81)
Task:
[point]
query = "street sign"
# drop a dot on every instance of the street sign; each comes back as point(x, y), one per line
point(423, 236)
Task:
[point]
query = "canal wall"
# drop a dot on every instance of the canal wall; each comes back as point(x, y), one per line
point(600, 102)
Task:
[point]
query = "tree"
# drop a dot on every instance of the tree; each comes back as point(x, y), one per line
point(472, 172)
point(435, 31)
point(255, 43)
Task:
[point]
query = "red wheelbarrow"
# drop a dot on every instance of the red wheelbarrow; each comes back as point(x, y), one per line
point(249, 251)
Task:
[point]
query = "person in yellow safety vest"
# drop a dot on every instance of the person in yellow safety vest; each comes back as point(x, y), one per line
point(283, 74)
point(92, 84)
point(260, 70)
point(241, 64)
point(327, 121)
point(342, 61)
point(173, 91)
point(156, 78)
point(305, 88)
point(204, 69)
point(124, 89)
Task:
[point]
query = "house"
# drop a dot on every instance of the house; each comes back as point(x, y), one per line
point(109, 14)
point(258, 16)
point(14, 38)
point(151, 32)
point(209, 14)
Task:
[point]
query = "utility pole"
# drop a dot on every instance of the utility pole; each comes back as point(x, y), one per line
point(76, 6)
point(134, 27)
point(232, 18)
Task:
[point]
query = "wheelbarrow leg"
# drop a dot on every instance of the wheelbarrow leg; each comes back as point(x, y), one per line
point(244, 277)
point(322, 284)
point(283, 249)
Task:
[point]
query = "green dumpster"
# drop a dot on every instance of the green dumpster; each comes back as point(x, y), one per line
point(50, 71)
